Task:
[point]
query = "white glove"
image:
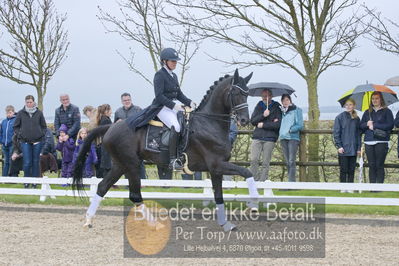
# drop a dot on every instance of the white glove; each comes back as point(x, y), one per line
point(178, 108)
point(193, 105)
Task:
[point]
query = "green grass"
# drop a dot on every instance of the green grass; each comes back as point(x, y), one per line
point(342, 209)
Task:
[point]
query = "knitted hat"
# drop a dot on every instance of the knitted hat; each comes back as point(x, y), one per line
point(63, 128)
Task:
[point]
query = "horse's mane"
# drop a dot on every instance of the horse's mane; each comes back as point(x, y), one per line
point(216, 84)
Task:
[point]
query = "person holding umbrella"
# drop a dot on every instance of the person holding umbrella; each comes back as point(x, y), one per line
point(267, 120)
point(377, 123)
point(347, 139)
point(291, 125)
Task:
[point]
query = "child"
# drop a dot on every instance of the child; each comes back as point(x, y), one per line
point(92, 156)
point(6, 133)
point(66, 146)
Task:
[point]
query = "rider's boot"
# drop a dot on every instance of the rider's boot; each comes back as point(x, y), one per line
point(175, 162)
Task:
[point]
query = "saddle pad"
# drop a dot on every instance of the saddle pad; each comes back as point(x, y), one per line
point(156, 138)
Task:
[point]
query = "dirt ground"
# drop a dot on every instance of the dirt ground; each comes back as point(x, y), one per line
point(50, 235)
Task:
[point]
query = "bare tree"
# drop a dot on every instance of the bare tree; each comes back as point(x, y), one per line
point(306, 36)
point(37, 43)
point(381, 32)
point(142, 23)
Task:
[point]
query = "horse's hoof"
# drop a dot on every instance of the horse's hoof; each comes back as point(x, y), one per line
point(86, 225)
point(229, 227)
point(89, 223)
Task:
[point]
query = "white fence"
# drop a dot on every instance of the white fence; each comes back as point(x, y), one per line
point(206, 196)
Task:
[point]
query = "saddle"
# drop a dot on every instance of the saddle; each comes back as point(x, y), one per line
point(157, 136)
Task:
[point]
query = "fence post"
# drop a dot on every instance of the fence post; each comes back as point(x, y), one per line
point(302, 157)
point(45, 187)
point(208, 192)
point(267, 192)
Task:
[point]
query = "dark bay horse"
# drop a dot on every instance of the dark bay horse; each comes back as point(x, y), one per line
point(208, 148)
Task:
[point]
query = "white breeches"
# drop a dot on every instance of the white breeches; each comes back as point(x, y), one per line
point(169, 118)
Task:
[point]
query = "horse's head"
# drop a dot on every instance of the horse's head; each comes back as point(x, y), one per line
point(238, 96)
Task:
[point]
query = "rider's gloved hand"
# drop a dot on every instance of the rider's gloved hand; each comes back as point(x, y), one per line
point(178, 108)
point(193, 105)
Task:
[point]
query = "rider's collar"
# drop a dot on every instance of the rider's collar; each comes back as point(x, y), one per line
point(169, 71)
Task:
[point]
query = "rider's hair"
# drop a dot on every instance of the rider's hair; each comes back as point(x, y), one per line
point(101, 110)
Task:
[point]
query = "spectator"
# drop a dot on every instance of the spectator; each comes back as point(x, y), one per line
point(377, 123)
point(291, 125)
point(127, 110)
point(164, 172)
point(91, 113)
point(69, 115)
point(347, 140)
point(30, 128)
point(6, 133)
point(48, 155)
point(104, 118)
point(91, 158)
point(66, 146)
point(233, 131)
point(16, 165)
point(195, 176)
point(396, 123)
point(267, 120)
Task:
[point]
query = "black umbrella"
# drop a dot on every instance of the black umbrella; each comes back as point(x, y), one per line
point(276, 88)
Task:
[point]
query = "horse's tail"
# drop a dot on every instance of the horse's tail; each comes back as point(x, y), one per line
point(81, 159)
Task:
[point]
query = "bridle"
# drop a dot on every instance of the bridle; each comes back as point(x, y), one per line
point(237, 107)
point(234, 107)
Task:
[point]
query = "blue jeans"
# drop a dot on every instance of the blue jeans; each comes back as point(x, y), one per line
point(7, 152)
point(142, 173)
point(31, 157)
point(290, 148)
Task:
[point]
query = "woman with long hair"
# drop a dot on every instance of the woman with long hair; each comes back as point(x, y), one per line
point(347, 140)
point(103, 117)
point(377, 123)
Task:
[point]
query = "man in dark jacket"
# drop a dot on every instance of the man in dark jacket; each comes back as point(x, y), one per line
point(69, 115)
point(267, 120)
point(127, 110)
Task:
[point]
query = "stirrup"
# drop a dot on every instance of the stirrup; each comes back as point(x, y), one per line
point(176, 165)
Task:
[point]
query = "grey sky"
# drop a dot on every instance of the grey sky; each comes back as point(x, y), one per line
point(94, 74)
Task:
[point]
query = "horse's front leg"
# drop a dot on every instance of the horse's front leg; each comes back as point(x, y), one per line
point(220, 210)
point(227, 168)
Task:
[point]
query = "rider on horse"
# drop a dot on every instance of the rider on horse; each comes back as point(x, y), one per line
point(167, 93)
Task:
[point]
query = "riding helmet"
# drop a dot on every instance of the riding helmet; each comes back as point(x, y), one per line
point(169, 54)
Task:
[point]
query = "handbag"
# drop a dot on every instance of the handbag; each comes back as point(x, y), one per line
point(380, 134)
